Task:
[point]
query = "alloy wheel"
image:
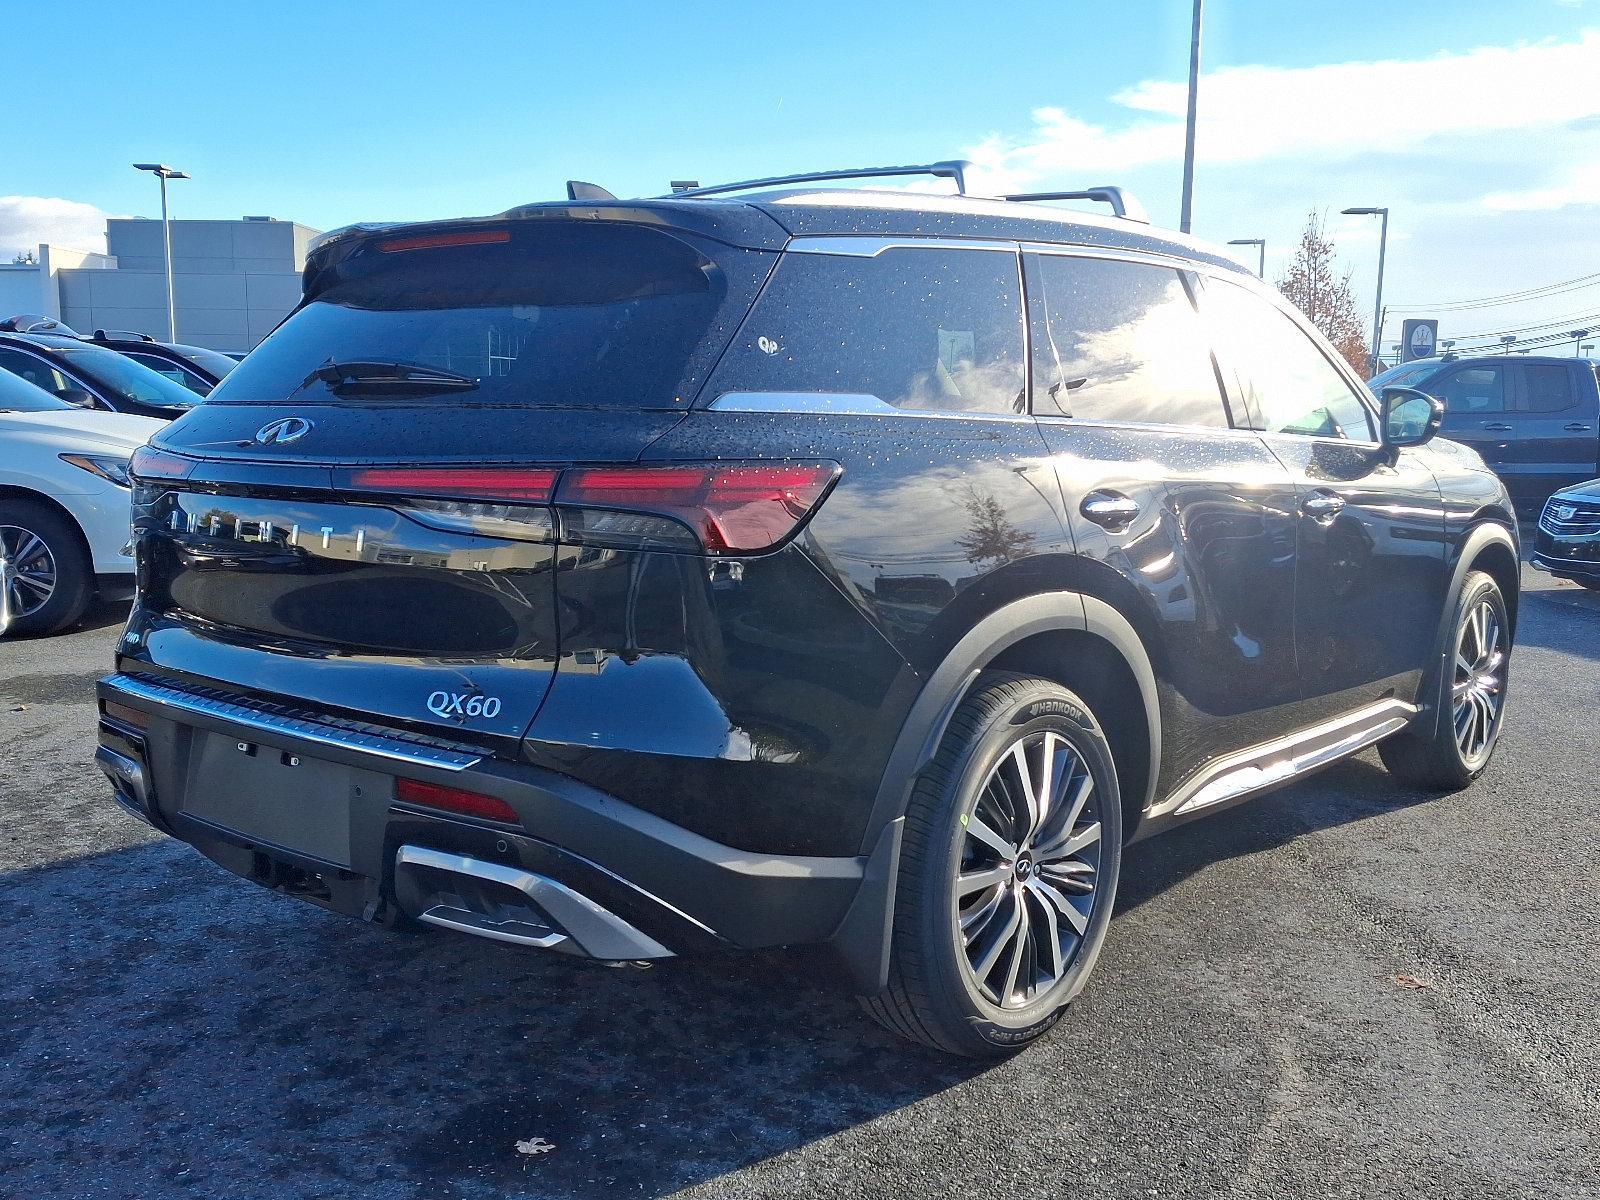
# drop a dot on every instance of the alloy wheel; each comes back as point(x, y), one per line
point(1029, 872)
point(30, 572)
point(1478, 687)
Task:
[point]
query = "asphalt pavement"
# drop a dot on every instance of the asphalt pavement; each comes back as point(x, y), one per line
point(1341, 989)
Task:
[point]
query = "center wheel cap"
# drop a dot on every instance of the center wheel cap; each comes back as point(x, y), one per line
point(1024, 867)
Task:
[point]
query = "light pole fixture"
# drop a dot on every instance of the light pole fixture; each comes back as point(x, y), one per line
point(1260, 244)
point(1585, 349)
point(1383, 249)
point(1507, 340)
point(1577, 336)
point(163, 172)
point(1186, 215)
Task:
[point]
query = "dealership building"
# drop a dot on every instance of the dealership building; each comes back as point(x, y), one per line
point(233, 281)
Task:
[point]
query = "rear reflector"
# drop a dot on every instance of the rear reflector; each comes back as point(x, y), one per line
point(449, 799)
point(431, 241)
point(731, 507)
point(523, 485)
point(129, 716)
point(150, 463)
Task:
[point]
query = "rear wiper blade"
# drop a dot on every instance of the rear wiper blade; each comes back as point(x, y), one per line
point(387, 376)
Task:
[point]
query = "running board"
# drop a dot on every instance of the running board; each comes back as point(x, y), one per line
point(1276, 762)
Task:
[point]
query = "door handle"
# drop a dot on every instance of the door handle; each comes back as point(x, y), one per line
point(1323, 506)
point(1110, 509)
point(1575, 427)
point(1497, 427)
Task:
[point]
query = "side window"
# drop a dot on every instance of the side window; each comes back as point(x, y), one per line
point(932, 329)
point(1289, 385)
point(172, 371)
point(1472, 391)
point(1546, 388)
point(1120, 341)
point(34, 371)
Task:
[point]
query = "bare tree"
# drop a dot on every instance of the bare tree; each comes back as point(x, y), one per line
point(1317, 287)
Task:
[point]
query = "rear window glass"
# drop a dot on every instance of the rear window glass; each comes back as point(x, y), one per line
point(1547, 388)
point(544, 313)
point(931, 329)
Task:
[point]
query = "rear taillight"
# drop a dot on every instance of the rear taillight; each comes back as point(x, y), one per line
point(150, 463)
point(520, 485)
point(739, 508)
point(719, 508)
point(456, 800)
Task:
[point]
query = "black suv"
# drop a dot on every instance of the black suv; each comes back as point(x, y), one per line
point(767, 565)
point(195, 367)
point(50, 356)
point(1534, 419)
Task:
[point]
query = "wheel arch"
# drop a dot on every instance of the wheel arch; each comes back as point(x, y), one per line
point(1038, 634)
point(11, 491)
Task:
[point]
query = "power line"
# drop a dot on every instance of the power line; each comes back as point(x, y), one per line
point(1518, 297)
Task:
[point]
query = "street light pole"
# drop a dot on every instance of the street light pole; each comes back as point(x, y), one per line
point(1383, 249)
point(1186, 216)
point(1260, 244)
point(163, 172)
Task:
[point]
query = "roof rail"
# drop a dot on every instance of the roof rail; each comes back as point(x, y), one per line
point(1123, 202)
point(955, 169)
point(120, 335)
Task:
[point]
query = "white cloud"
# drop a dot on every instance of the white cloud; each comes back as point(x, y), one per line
point(1581, 185)
point(25, 221)
point(1333, 112)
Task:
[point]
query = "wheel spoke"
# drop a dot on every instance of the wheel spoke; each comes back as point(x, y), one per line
point(1045, 793)
point(1062, 905)
point(1051, 939)
point(976, 828)
point(1027, 812)
point(1074, 843)
point(1021, 943)
point(976, 881)
point(991, 953)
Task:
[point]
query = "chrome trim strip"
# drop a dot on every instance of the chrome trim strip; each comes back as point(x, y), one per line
point(597, 931)
point(1283, 759)
point(1539, 558)
point(124, 772)
point(802, 402)
point(871, 247)
point(393, 748)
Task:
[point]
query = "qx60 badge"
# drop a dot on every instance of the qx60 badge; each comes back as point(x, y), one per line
point(454, 704)
point(283, 431)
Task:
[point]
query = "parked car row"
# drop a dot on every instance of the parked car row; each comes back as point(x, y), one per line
point(72, 411)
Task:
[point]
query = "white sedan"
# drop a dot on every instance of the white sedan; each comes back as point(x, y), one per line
point(63, 505)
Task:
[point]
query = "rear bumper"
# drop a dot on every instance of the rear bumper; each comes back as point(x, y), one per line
point(580, 871)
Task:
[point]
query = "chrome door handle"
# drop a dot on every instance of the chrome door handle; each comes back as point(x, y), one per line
point(1113, 510)
point(1324, 506)
point(1497, 427)
point(1576, 427)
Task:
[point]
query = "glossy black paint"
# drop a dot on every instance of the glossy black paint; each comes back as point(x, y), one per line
point(749, 706)
point(1568, 544)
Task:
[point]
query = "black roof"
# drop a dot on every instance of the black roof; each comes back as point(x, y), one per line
point(1454, 359)
point(767, 220)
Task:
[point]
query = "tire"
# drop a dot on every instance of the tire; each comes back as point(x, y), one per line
point(46, 552)
point(1436, 755)
point(939, 992)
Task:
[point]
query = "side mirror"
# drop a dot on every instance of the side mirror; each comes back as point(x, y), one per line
point(76, 396)
point(1410, 417)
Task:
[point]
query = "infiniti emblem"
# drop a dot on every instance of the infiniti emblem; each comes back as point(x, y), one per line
point(283, 431)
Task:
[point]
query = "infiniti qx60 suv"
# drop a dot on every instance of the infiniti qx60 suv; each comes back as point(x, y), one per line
point(777, 563)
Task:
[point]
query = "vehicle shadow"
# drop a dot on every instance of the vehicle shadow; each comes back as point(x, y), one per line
point(1349, 791)
point(197, 1027)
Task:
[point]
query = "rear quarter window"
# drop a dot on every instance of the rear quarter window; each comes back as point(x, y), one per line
point(930, 329)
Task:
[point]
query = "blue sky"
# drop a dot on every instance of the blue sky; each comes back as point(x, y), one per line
point(338, 111)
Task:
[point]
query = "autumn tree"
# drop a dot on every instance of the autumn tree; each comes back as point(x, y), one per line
point(1317, 287)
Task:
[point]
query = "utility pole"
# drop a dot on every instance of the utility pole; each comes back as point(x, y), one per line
point(1186, 217)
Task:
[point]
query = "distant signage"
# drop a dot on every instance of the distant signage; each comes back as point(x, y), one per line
point(1418, 339)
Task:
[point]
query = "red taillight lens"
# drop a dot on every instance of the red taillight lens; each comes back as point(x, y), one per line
point(150, 463)
point(732, 508)
point(460, 237)
point(521, 485)
point(449, 799)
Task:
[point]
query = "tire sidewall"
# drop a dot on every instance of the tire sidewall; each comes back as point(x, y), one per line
point(73, 577)
point(1043, 707)
point(1476, 588)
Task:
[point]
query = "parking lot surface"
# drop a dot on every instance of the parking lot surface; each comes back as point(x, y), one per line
point(1343, 988)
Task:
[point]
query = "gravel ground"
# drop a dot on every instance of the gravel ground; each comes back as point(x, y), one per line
point(167, 1030)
